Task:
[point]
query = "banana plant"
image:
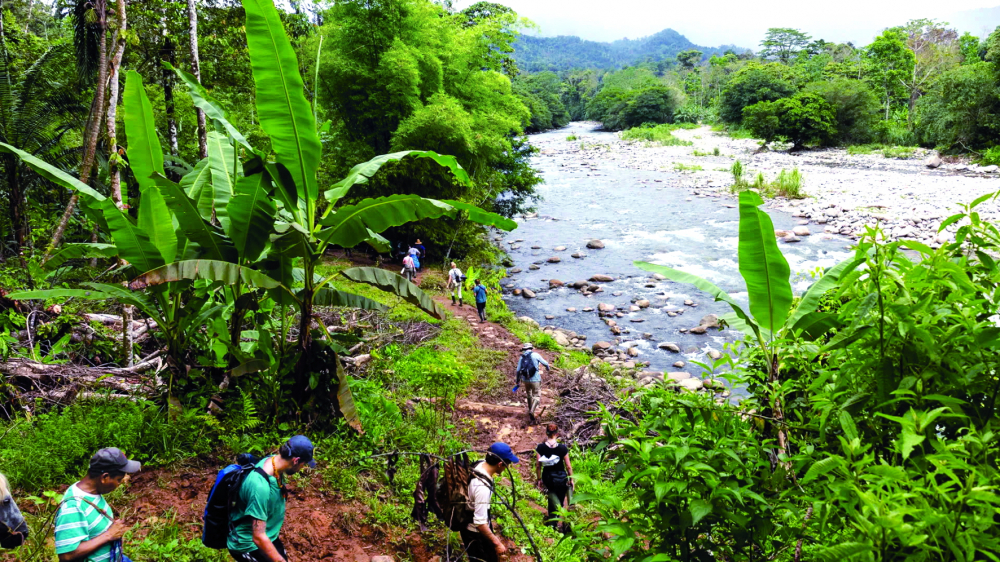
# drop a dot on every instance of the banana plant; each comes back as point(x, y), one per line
point(765, 270)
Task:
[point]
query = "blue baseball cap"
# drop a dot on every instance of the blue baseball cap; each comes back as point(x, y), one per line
point(300, 446)
point(504, 451)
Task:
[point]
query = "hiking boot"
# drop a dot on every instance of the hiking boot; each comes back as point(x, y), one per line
point(460, 305)
point(531, 419)
point(452, 301)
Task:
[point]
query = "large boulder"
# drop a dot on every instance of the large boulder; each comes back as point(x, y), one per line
point(605, 307)
point(690, 385)
point(934, 161)
point(600, 347)
point(527, 293)
point(601, 278)
point(642, 303)
point(678, 376)
point(633, 352)
point(671, 347)
point(595, 245)
point(709, 321)
point(801, 231)
point(561, 339)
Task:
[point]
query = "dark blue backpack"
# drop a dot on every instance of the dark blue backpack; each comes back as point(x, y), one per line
point(223, 497)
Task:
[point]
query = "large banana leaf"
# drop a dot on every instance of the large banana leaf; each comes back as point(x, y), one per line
point(285, 188)
point(483, 217)
point(251, 214)
point(139, 300)
point(203, 101)
point(145, 155)
point(52, 173)
point(333, 297)
point(284, 112)
point(46, 294)
point(349, 225)
point(763, 267)
point(706, 286)
point(198, 185)
point(830, 280)
point(212, 270)
point(345, 400)
point(365, 170)
point(76, 251)
point(225, 169)
point(155, 221)
point(134, 245)
point(395, 284)
point(213, 243)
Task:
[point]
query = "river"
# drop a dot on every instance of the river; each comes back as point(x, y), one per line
point(639, 215)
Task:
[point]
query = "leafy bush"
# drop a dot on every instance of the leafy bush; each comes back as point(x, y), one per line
point(660, 134)
point(804, 118)
point(571, 138)
point(900, 152)
point(753, 84)
point(855, 106)
point(962, 110)
point(682, 167)
point(655, 104)
point(691, 113)
point(991, 157)
point(863, 149)
point(789, 184)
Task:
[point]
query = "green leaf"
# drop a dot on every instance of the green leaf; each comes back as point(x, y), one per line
point(333, 297)
point(345, 400)
point(284, 113)
point(908, 440)
point(134, 245)
point(191, 223)
point(981, 199)
point(225, 169)
point(77, 251)
point(145, 155)
point(59, 294)
point(198, 186)
point(212, 270)
point(950, 221)
point(844, 551)
point(822, 467)
point(830, 280)
point(762, 265)
point(251, 215)
point(125, 296)
point(156, 222)
point(704, 285)
point(815, 324)
point(362, 172)
point(917, 246)
point(395, 284)
point(251, 366)
point(203, 101)
point(350, 225)
point(286, 190)
point(52, 173)
point(847, 425)
point(378, 242)
point(699, 509)
point(483, 217)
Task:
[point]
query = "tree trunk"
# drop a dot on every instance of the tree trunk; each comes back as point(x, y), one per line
point(93, 129)
point(114, 160)
point(16, 207)
point(167, 55)
point(196, 70)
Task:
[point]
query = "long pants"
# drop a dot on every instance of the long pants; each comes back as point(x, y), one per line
point(258, 555)
point(478, 548)
point(556, 496)
point(409, 273)
point(534, 390)
point(456, 292)
point(481, 308)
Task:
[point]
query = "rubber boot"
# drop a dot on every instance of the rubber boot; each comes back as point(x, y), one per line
point(453, 300)
point(460, 305)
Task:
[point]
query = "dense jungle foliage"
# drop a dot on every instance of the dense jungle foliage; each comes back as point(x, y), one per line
point(217, 163)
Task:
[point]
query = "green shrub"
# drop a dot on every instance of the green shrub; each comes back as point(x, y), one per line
point(571, 138)
point(991, 157)
point(682, 167)
point(961, 110)
point(855, 108)
point(716, 151)
point(659, 134)
point(789, 184)
point(863, 149)
point(802, 119)
point(899, 152)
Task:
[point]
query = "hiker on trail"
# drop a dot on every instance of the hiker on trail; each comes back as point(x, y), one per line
point(86, 529)
point(409, 268)
point(416, 252)
point(260, 509)
point(480, 543)
point(480, 291)
point(527, 371)
point(419, 246)
point(455, 279)
point(554, 472)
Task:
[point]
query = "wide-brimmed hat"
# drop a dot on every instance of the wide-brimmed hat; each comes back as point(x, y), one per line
point(527, 346)
point(418, 241)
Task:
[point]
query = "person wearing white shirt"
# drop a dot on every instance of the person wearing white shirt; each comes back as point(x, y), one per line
point(455, 283)
point(481, 544)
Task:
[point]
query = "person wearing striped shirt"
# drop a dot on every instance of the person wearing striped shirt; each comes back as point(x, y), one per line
point(86, 530)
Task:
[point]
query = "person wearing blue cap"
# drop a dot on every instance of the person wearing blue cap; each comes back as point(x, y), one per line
point(480, 543)
point(259, 512)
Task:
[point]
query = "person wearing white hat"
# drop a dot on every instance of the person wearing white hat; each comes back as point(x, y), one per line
point(528, 371)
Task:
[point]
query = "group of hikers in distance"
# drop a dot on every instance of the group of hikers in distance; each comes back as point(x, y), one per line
point(246, 505)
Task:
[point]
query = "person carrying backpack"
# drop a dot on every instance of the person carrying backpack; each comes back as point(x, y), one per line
point(259, 511)
point(455, 279)
point(480, 543)
point(86, 529)
point(480, 291)
point(527, 371)
point(554, 472)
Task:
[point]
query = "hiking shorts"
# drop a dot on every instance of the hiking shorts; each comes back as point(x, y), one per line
point(258, 555)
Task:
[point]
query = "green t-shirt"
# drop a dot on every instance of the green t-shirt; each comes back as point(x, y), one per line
point(79, 521)
point(259, 499)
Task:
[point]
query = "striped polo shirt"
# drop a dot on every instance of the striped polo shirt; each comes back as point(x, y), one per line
point(78, 521)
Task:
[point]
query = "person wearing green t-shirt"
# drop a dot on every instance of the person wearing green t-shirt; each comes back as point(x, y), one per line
point(260, 512)
point(86, 530)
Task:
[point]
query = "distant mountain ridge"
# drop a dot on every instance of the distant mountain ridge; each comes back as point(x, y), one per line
point(535, 54)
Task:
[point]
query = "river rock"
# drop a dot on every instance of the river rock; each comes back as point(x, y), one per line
point(517, 292)
point(679, 364)
point(578, 284)
point(801, 231)
point(528, 320)
point(690, 385)
point(713, 354)
point(634, 308)
point(595, 245)
point(605, 307)
point(536, 247)
point(789, 238)
point(550, 317)
point(934, 161)
point(533, 267)
point(601, 278)
point(600, 347)
point(780, 233)
point(571, 309)
point(709, 321)
point(554, 259)
point(713, 384)
point(515, 270)
point(617, 293)
point(578, 255)
point(671, 347)
point(659, 276)
point(689, 302)
point(990, 169)
point(553, 283)
point(616, 330)
point(561, 339)
point(678, 376)
point(633, 351)
point(587, 309)
point(698, 330)
point(528, 293)
point(637, 320)
point(560, 248)
point(642, 303)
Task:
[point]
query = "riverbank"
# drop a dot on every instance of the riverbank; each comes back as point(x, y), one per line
point(844, 192)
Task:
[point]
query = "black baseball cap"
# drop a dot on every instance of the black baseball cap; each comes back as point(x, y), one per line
point(112, 459)
point(300, 446)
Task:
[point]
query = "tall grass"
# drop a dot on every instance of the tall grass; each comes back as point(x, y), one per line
point(659, 134)
point(787, 184)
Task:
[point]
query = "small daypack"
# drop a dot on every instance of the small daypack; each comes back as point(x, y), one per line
point(453, 492)
point(526, 368)
point(223, 497)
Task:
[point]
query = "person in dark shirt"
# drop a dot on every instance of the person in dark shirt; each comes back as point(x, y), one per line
point(554, 472)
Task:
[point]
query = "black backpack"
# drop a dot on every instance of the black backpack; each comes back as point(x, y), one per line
point(223, 497)
point(526, 368)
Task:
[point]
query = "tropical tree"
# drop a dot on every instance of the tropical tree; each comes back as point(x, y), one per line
point(889, 65)
point(782, 43)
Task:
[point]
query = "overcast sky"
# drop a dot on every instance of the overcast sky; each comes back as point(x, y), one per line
point(742, 22)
